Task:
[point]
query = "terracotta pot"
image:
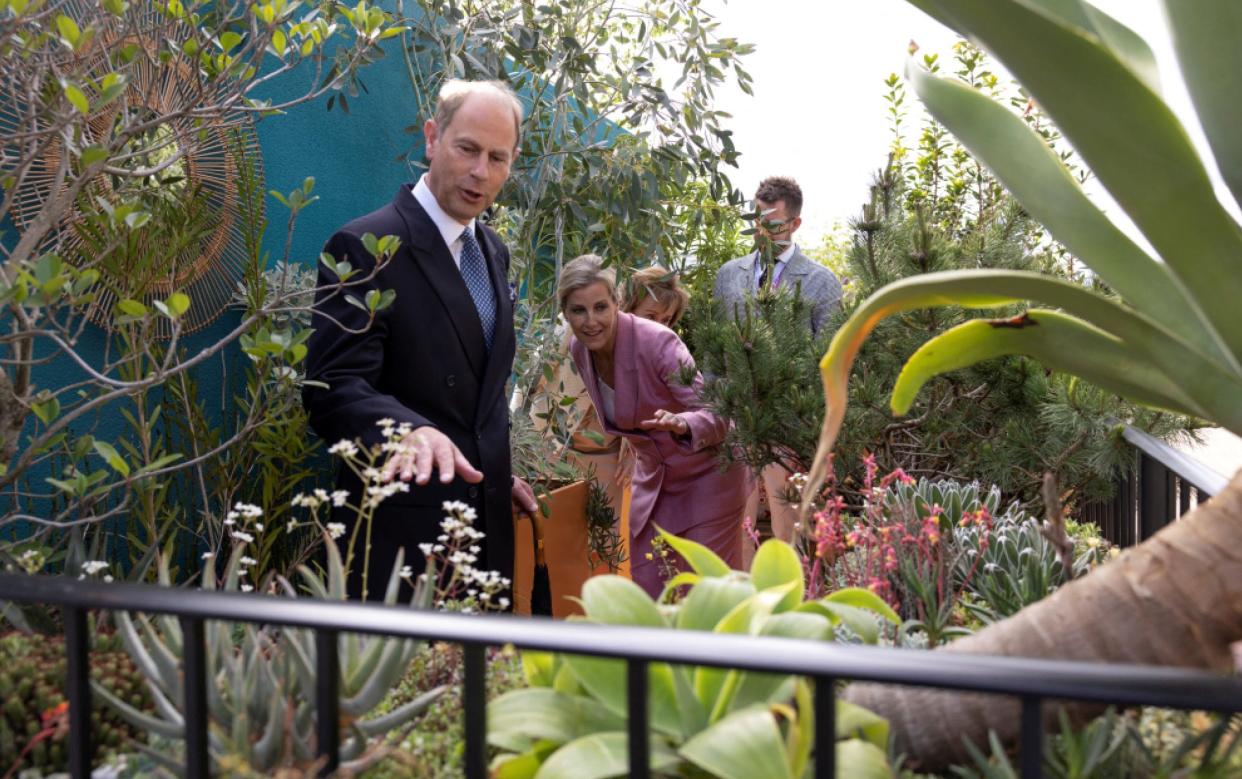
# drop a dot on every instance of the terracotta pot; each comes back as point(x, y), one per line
point(559, 540)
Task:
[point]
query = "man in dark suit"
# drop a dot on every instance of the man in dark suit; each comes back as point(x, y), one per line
point(437, 359)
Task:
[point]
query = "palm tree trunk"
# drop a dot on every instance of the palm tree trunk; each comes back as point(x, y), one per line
point(1174, 600)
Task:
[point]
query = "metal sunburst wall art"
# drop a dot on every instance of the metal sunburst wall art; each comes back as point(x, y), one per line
point(205, 200)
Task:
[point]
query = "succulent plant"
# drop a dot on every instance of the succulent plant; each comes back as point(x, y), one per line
point(261, 680)
point(32, 683)
point(570, 721)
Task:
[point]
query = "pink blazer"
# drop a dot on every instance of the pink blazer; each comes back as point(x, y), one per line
point(678, 482)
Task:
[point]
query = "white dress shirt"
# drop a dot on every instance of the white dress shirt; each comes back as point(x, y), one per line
point(450, 228)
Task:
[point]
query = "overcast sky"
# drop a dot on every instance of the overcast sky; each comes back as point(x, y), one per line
point(818, 112)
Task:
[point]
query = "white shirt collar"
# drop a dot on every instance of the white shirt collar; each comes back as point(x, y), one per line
point(784, 256)
point(449, 228)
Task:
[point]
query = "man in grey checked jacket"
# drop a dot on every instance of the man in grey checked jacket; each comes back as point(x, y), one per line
point(779, 201)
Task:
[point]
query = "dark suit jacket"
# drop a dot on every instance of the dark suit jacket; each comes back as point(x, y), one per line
point(422, 361)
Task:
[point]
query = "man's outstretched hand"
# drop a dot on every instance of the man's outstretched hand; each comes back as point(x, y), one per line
point(524, 498)
point(426, 448)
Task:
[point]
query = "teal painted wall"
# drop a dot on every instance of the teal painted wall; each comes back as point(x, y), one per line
point(353, 156)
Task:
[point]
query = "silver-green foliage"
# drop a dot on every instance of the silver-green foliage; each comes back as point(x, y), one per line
point(261, 680)
point(571, 720)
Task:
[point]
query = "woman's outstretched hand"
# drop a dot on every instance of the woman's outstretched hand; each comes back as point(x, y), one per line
point(666, 421)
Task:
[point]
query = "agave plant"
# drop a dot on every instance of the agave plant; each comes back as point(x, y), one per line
point(570, 721)
point(261, 683)
point(1164, 330)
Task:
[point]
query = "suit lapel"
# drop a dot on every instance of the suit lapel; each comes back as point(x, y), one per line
point(435, 262)
point(745, 278)
point(500, 359)
point(797, 267)
point(625, 374)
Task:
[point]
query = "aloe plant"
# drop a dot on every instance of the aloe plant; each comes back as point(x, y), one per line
point(261, 682)
point(570, 721)
point(1162, 329)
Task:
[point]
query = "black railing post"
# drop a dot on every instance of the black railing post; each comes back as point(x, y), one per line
point(1126, 519)
point(1031, 749)
point(474, 705)
point(636, 701)
point(327, 700)
point(825, 727)
point(1153, 497)
point(78, 687)
point(194, 657)
point(1183, 497)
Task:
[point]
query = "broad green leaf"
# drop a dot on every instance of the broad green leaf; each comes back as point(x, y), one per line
point(601, 756)
point(76, 98)
point(858, 759)
point(1034, 173)
point(131, 308)
point(853, 721)
point(704, 561)
point(68, 30)
point(747, 744)
point(754, 687)
point(1060, 342)
point(1210, 386)
point(93, 154)
point(605, 681)
point(615, 600)
point(775, 564)
point(861, 621)
point(1123, 42)
point(745, 618)
point(539, 668)
point(178, 303)
point(46, 409)
point(540, 713)
point(1131, 141)
point(112, 457)
point(694, 715)
point(710, 600)
point(1127, 45)
point(1206, 35)
point(862, 598)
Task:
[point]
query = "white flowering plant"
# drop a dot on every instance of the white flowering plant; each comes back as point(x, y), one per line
point(451, 560)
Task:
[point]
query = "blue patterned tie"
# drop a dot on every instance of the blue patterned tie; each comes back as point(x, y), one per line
point(474, 272)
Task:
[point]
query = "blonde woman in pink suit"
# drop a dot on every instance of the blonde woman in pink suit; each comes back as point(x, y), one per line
point(631, 368)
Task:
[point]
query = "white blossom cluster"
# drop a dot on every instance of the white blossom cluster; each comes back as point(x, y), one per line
point(378, 493)
point(320, 497)
point(92, 567)
point(247, 516)
point(456, 551)
point(31, 560)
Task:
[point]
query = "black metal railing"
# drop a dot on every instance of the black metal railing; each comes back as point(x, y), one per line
point(1158, 485)
point(1032, 681)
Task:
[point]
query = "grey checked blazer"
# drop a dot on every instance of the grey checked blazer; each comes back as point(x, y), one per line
point(736, 279)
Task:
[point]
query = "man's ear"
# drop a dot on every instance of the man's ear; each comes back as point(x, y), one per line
point(431, 136)
point(794, 224)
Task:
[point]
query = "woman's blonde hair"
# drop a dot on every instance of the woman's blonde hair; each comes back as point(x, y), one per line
point(661, 284)
point(582, 272)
